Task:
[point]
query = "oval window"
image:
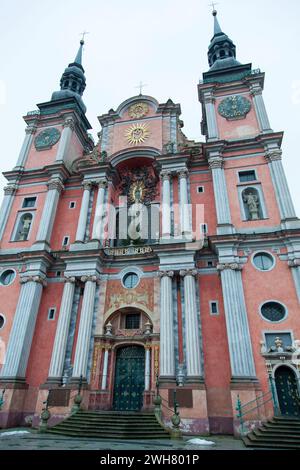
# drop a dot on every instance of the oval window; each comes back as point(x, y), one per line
point(273, 311)
point(2, 321)
point(130, 280)
point(7, 277)
point(263, 261)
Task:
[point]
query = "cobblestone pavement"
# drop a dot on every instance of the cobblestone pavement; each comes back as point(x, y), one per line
point(36, 441)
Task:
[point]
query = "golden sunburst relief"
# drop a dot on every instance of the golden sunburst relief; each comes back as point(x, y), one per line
point(137, 134)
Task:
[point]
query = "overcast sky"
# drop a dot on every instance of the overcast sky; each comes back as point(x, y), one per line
point(161, 42)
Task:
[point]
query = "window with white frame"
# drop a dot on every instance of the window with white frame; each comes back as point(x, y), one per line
point(200, 189)
point(29, 202)
point(203, 229)
point(66, 241)
point(51, 313)
point(72, 205)
point(247, 175)
point(214, 307)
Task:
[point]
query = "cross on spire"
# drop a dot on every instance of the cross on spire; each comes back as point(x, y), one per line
point(213, 4)
point(141, 86)
point(83, 35)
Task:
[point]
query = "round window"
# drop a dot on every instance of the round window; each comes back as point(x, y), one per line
point(130, 280)
point(2, 321)
point(7, 277)
point(273, 311)
point(263, 261)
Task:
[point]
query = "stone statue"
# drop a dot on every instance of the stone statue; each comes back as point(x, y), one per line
point(251, 199)
point(279, 344)
point(169, 147)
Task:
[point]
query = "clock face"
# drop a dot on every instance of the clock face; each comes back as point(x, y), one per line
point(234, 107)
point(47, 138)
point(138, 110)
point(137, 134)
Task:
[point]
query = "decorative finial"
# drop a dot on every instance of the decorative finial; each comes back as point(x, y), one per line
point(83, 35)
point(141, 86)
point(213, 4)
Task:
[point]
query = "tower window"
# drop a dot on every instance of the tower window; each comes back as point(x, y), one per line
point(2, 321)
point(130, 280)
point(273, 311)
point(263, 261)
point(132, 321)
point(51, 313)
point(200, 189)
point(222, 54)
point(246, 176)
point(214, 308)
point(204, 229)
point(7, 277)
point(210, 264)
point(72, 205)
point(29, 202)
point(66, 241)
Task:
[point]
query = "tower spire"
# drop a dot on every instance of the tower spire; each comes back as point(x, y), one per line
point(73, 81)
point(217, 27)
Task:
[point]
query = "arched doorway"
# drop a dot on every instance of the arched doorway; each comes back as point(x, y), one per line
point(129, 378)
point(287, 391)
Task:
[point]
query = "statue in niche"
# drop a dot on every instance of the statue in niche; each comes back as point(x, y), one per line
point(169, 147)
point(252, 201)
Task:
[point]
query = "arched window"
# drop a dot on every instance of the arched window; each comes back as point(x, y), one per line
point(23, 227)
point(252, 204)
point(222, 53)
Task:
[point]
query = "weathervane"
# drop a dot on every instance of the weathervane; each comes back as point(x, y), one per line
point(141, 86)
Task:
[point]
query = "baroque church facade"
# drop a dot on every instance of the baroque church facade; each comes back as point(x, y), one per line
point(149, 261)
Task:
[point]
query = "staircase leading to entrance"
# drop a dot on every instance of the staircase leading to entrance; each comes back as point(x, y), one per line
point(277, 433)
point(111, 425)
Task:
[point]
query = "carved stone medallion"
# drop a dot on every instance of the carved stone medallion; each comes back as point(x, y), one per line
point(47, 138)
point(234, 107)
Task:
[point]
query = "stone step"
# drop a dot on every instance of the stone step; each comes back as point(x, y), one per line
point(262, 445)
point(267, 440)
point(275, 436)
point(277, 430)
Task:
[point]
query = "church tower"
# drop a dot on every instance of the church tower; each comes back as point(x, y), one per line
point(146, 262)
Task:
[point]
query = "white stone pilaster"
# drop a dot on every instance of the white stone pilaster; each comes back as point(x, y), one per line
point(220, 190)
point(64, 142)
point(62, 330)
point(55, 187)
point(192, 327)
point(167, 359)
point(147, 367)
point(81, 227)
point(22, 331)
point(260, 108)
point(166, 204)
point(184, 204)
point(100, 211)
point(294, 264)
point(9, 193)
point(238, 333)
point(283, 195)
point(85, 327)
point(105, 370)
point(211, 119)
point(30, 131)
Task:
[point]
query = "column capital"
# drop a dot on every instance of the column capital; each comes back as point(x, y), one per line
point(162, 274)
point(294, 263)
point(30, 130)
point(37, 279)
point(183, 173)
point(69, 122)
point(165, 175)
point(215, 162)
point(55, 183)
point(71, 280)
point(102, 183)
point(87, 185)
point(188, 272)
point(232, 266)
point(208, 97)
point(274, 155)
point(90, 278)
point(10, 190)
point(255, 89)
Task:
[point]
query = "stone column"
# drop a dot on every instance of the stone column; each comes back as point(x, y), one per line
point(85, 327)
point(147, 367)
point(105, 368)
point(9, 192)
point(184, 204)
point(30, 131)
point(192, 327)
point(62, 330)
point(240, 346)
point(100, 211)
point(294, 264)
point(55, 188)
point(261, 113)
point(166, 204)
point(81, 227)
point(216, 162)
point(64, 142)
point(211, 120)
point(22, 331)
point(283, 196)
point(167, 359)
